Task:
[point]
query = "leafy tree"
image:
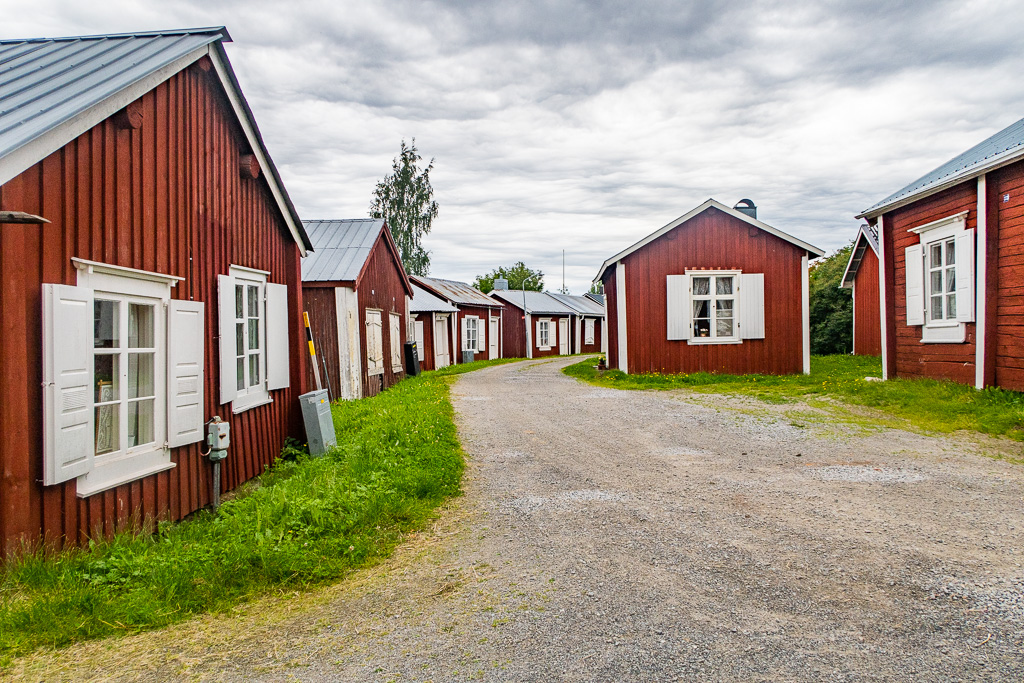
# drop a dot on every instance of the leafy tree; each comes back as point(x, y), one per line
point(831, 308)
point(516, 276)
point(405, 200)
point(596, 288)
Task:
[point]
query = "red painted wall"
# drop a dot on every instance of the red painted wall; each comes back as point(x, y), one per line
point(867, 325)
point(513, 332)
point(165, 197)
point(483, 313)
point(712, 240)
point(1006, 231)
point(428, 339)
point(556, 336)
point(596, 346)
point(381, 286)
point(321, 305)
point(611, 304)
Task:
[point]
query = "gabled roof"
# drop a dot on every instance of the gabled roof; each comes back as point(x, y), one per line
point(813, 251)
point(581, 304)
point(459, 293)
point(867, 237)
point(342, 249)
point(54, 89)
point(1002, 148)
point(536, 302)
point(598, 298)
point(425, 302)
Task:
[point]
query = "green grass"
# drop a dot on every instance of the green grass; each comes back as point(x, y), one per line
point(303, 523)
point(927, 404)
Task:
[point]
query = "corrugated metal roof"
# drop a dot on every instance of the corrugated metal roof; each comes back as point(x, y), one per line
point(1002, 147)
point(425, 302)
point(581, 304)
point(599, 298)
point(456, 292)
point(340, 248)
point(536, 302)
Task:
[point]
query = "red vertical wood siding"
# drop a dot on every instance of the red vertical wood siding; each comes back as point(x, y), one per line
point(611, 308)
point(428, 339)
point(867, 325)
point(555, 334)
point(584, 346)
point(483, 328)
point(513, 332)
point(914, 359)
point(714, 240)
point(166, 197)
point(1006, 228)
point(321, 305)
point(381, 287)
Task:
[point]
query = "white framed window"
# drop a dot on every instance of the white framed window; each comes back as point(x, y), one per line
point(396, 342)
point(713, 307)
point(544, 334)
point(588, 331)
point(940, 279)
point(470, 333)
point(253, 326)
point(123, 376)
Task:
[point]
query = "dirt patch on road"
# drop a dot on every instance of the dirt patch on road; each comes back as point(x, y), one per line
point(653, 536)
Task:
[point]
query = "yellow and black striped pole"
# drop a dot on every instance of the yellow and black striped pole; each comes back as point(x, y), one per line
point(312, 350)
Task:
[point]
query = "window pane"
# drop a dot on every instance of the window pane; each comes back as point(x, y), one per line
point(723, 285)
point(105, 368)
point(702, 309)
point(254, 301)
point(239, 339)
point(140, 422)
point(240, 373)
point(950, 252)
point(936, 307)
point(701, 286)
point(105, 323)
point(723, 327)
point(107, 429)
point(723, 308)
point(239, 303)
point(140, 326)
point(254, 334)
point(140, 375)
point(951, 279)
point(702, 327)
point(951, 306)
point(936, 255)
point(936, 282)
point(254, 369)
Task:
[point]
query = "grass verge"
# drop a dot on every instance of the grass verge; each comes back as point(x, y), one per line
point(303, 523)
point(927, 404)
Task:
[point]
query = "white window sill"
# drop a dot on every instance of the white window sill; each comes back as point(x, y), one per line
point(948, 333)
point(712, 340)
point(397, 368)
point(249, 406)
point(543, 348)
point(85, 489)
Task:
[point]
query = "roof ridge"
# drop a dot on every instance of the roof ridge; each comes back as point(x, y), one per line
point(137, 34)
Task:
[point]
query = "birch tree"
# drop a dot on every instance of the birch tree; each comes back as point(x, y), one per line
point(405, 200)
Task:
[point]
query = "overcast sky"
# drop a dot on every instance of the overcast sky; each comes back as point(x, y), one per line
point(585, 125)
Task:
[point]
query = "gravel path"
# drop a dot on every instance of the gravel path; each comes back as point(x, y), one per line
point(648, 536)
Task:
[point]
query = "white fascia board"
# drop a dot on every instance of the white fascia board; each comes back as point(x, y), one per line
point(812, 251)
point(235, 97)
point(49, 142)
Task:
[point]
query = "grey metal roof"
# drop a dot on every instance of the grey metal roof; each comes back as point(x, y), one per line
point(581, 304)
point(1001, 148)
point(54, 89)
point(599, 298)
point(425, 302)
point(536, 302)
point(456, 292)
point(867, 236)
point(340, 248)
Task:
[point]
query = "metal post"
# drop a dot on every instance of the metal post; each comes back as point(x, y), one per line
point(312, 351)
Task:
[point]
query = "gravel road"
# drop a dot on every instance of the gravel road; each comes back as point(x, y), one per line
point(658, 536)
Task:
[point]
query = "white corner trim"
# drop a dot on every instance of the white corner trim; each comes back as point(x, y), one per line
point(883, 318)
point(95, 267)
point(805, 312)
point(620, 305)
point(49, 142)
point(980, 283)
point(941, 223)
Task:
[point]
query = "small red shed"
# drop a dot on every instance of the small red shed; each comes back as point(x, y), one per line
point(163, 290)
point(587, 323)
point(952, 267)
point(357, 295)
point(432, 325)
point(691, 296)
point(861, 277)
point(477, 326)
point(536, 324)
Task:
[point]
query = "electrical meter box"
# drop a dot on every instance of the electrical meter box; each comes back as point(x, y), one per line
point(218, 438)
point(316, 415)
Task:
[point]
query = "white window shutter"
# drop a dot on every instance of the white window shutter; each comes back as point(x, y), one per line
point(539, 340)
point(915, 284)
point(481, 336)
point(678, 306)
point(374, 343)
point(185, 340)
point(226, 331)
point(419, 339)
point(68, 416)
point(396, 342)
point(965, 276)
point(464, 346)
point(751, 303)
point(278, 357)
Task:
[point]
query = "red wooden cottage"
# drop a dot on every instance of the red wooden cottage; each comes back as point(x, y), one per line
point(950, 248)
point(861, 277)
point(477, 326)
point(163, 290)
point(691, 296)
point(357, 294)
point(433, 322)
point(536, 324)
point(586, 325)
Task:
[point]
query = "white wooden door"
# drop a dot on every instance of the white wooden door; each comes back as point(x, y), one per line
point(419, 340)
point(441, 343)
point(492, 339)
point(563, 336)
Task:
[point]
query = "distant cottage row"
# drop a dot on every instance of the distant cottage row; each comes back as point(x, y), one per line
point(154, 273)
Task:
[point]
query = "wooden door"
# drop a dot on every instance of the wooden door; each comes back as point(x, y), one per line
point(563, 336)
point(441, 343)
point(492, 339)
